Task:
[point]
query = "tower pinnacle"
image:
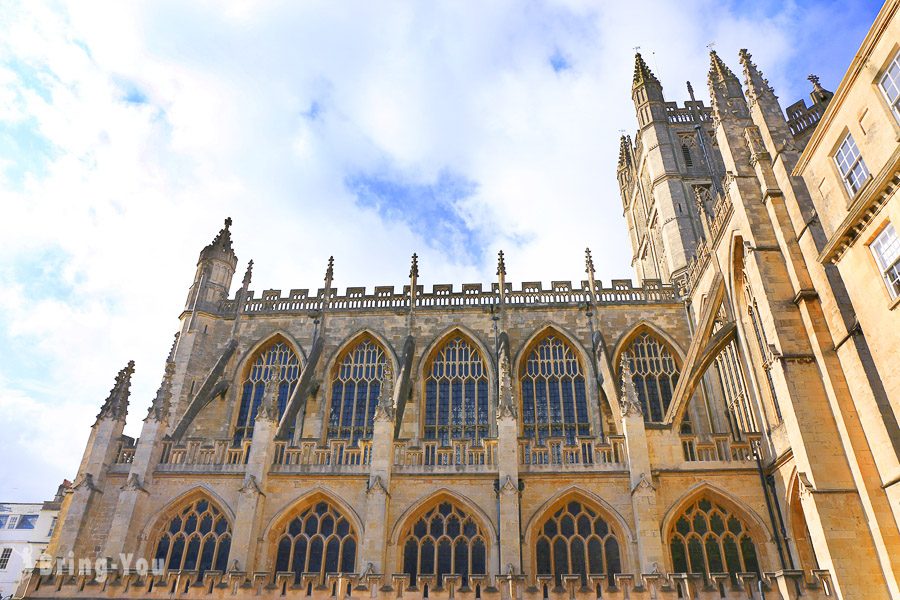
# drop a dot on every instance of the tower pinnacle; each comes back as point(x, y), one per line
point(642, 73)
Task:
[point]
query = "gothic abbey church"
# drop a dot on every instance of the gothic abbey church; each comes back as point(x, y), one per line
point(724, 428)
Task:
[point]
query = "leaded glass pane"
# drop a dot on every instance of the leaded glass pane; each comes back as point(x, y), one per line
point(276, 363)
point(554, 402)
point(655, 375)
point(355, 390)
point(318, 546)
point(181, 546)
point(705, 536)
point(457, 544)
point(580, 533)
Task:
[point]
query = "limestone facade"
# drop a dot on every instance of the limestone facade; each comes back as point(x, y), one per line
point(703, 434)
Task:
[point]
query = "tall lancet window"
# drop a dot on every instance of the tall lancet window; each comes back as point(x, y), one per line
point(554, 399)
point(355, 387)
point(655, 375)
point(456, 393)
point(276, 360)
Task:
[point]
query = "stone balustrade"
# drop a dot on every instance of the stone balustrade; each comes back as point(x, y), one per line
point(309, 456)
point(718, 448)
point(458, 455)
point(199, 456)
point(556, 454)
point(532, 293)
point(118, 584)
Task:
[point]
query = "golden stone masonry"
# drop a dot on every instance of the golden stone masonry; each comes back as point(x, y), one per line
point(725, 428)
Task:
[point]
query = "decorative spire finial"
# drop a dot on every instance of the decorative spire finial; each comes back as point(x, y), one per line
point(159, 409)
point(718, 70)
point(116, 404)
point(501, 264)
point(227, 222)
point(588, 262)
point(329, 272)
point(814, 79)
point(221, 244)
point(690, 90)
point(642, 73)
point(248, 273)
point(414, 267)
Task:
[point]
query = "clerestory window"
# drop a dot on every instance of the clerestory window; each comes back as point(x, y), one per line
point(456, 393)
point(355, 390)
point(276, 361)
point(554, 398)
point(655, 374)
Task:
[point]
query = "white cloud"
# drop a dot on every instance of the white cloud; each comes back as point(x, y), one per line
point(127, 193)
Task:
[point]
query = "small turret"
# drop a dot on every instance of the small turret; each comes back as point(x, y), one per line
point(116, 405)
point(215, 270)
point(819, 94)
point(647, 93)
point(758, 88)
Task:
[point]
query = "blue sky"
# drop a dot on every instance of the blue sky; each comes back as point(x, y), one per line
point(364, 130)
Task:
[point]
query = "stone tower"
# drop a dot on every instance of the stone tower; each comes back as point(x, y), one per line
point(666, 177)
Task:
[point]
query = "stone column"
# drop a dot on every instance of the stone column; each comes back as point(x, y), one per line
point(643, 492)
point(508, 468)
point(377, 494)
point(252, 498)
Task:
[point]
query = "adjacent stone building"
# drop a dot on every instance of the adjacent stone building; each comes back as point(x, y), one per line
point(725, 428)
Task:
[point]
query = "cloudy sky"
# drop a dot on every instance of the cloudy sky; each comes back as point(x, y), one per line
point(366, 130)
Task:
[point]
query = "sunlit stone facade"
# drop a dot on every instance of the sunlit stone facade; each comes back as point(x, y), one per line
point(695, 435)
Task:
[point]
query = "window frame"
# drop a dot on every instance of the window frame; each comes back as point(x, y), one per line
point(892, 105)
point(26, 522)
point(848, 177)
point(892, 287)
point(5, 557)
point(474, 433)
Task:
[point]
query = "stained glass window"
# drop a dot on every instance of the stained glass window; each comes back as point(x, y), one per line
point(275, 360)
point(355, 390)
point(655, 374)
point(554, 399)
point(318, 540)
point(708, 538)
point(576, 540)
point(196, 538)
point(444, 541)
point(456, 393)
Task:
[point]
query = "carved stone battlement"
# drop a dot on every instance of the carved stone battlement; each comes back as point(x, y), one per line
point(531, 293)
point(780, 585)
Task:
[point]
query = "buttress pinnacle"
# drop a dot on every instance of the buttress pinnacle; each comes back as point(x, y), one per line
point(718, 70)
point(116, 404)
point(501, 264)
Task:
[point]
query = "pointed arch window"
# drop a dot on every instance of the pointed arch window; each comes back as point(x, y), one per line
point(577, 540)
point(709, 538)
point(456, 393)
point(319, 540)
point(444, 541)
point(196, 538)
point(276, 360)
point(655, 375)
point(355, 389)
point(554, 398)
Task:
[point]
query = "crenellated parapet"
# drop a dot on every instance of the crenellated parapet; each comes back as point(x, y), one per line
point(116, 584)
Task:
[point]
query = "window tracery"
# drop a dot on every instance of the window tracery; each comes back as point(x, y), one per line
point(355, 389)
point(318, 540)
point(655, 374)
point(196, 538)
point(708, 538)
point(577, 540)
point(277, 361)
point(456, 393)
point(444, 541)
point(554, 398)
